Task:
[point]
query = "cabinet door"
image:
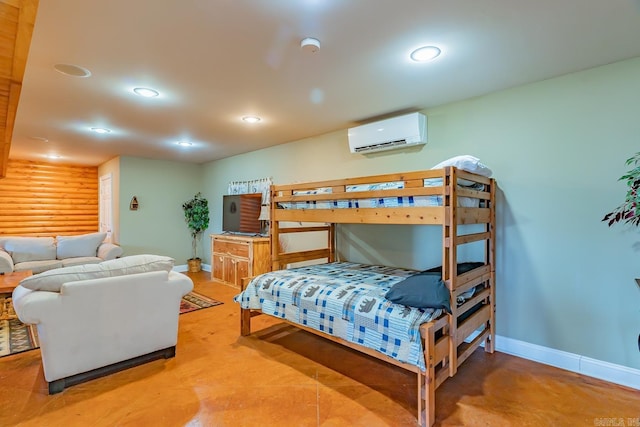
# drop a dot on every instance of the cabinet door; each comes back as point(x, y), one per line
point(242, 271)
point(218, 267)
point(229, 275)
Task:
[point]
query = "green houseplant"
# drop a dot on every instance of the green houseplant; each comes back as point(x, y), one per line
point(629, 210)
point(196, 215)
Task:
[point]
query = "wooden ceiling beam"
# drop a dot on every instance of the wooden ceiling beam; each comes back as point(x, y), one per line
point(17, 18)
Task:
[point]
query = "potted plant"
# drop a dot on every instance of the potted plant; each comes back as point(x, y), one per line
point(196, 215)
point(629, 210)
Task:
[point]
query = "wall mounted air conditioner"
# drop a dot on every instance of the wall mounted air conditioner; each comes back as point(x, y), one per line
point(397, 132)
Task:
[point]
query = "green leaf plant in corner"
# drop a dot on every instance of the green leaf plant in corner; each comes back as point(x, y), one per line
point(629, 210)
point(196, 215)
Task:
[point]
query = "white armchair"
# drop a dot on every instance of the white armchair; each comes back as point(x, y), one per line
point(96, 326)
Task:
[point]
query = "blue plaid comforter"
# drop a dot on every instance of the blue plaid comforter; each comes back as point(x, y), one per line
point(345, 300)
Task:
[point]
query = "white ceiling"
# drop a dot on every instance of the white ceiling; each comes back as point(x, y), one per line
point(214, 61)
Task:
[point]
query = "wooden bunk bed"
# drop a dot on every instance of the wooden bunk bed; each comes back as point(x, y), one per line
point(448, 340)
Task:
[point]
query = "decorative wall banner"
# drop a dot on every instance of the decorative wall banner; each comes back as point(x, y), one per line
point(251, 187)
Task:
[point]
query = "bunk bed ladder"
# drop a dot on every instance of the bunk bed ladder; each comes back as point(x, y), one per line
point(490, 343)
point(449, 261)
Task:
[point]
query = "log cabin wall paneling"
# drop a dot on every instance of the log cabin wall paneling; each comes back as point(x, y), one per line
point(44, 199)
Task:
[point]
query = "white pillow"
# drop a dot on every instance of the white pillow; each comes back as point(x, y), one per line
point(79, 246)
point(467, 163)
point(52, 280)
point(24, 249)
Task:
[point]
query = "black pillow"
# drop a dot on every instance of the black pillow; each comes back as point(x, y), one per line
point(463, 267)
point(422, 290)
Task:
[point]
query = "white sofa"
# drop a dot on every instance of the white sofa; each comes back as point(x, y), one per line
point(40, 254)
point(100, 318)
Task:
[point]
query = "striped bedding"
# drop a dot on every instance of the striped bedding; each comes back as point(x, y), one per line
point(345, 300)
point(382, 202)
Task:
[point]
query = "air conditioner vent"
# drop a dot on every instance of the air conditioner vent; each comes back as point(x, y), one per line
point(382, 146)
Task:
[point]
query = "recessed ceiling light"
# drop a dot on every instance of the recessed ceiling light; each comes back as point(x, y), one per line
point(39, 138)
point(184, 143)
point(251, 119)
point(425, 53)
point(146, 92)
point(54, 156)
point(101, 130)
point(72, 70)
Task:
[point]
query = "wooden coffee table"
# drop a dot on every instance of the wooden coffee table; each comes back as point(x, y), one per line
point(8, 283)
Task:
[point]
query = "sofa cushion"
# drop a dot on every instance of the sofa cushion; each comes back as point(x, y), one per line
point(3, 240)
point(6, 262)
point(108, 251)
point(24, 249)
point(68, 262)
point(84, 245)
point(38, 266)
point(53, 280)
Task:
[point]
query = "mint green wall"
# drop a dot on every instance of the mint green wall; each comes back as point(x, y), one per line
point(158, 226)
point(565, 280)
point(557, 148)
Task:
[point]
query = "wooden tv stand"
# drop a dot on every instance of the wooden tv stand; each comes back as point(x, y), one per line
point(235, 256)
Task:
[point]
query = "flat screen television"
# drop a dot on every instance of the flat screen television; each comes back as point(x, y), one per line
point(240, 213)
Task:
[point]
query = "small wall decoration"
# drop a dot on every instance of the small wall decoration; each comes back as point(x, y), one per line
point(133, 206)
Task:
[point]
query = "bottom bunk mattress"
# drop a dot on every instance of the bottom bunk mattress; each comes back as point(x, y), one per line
point(346, 300)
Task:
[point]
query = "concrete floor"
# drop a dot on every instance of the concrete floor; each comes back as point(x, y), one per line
point(281, 376)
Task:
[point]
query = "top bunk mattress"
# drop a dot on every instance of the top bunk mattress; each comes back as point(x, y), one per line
point(382, 202)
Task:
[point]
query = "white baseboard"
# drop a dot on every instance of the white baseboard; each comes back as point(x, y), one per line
point(583, 365)
point(184, 267)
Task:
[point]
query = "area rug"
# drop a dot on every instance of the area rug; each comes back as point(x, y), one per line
point(16, 337)
point(194, 301)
